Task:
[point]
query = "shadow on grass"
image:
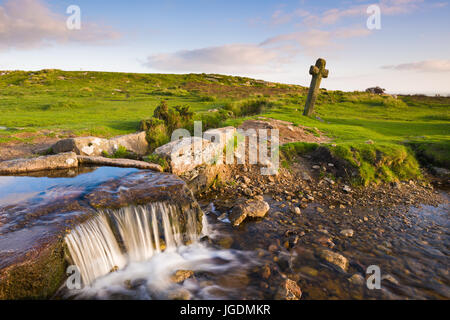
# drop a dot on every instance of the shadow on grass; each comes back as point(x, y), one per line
point(123, 125)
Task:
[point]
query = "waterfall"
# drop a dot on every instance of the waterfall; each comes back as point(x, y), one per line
point(114, 238)
point(94, 249)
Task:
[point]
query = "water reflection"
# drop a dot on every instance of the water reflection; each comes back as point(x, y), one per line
point(17, 189)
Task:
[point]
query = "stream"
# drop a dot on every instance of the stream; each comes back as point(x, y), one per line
point(129, 231)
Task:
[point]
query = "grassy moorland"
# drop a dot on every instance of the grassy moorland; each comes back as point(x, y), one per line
point(57, 103)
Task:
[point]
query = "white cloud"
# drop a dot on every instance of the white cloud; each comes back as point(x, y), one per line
point(30, 23)
point(334, 15)
point(316, 38)
point(394, 7)
point(268, 55)
point(226, 58)
point(423, 66)
point(280, 17)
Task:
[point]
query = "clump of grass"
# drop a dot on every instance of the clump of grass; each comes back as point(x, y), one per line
point(380, 162)
point(207, 98)
point(120, 153)
point(373, 99)
point(291, 150)
point(60, 105)
point(154, 158)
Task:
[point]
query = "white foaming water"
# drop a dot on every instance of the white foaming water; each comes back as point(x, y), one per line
point(144, 270)
point(151, 279)
point(95, 248)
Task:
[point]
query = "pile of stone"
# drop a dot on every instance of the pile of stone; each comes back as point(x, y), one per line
point(375, 90)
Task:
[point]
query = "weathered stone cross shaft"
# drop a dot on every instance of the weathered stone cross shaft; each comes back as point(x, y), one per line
point(318, 72)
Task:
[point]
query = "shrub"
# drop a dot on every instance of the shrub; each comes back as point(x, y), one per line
point(146, 124)
point(164, 121)
point(162, 111)
point(157, 136)
point(249, 107)
point(211, 120)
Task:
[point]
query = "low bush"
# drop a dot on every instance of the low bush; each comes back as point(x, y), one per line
point(165, 120)
point(249, 107)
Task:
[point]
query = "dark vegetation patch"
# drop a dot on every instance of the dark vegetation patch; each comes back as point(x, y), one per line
point(432, 153)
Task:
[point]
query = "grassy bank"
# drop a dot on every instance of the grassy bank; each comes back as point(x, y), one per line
point(360, 163)
point(57, 104)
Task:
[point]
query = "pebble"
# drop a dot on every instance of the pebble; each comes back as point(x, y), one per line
point(320, 210)
point(346, 189)
point(347, 232)
point(309, 271)
point(181, 275)
point(266, 272)
point(179, 294)
point(334, 258)
point(389, 278)
point(356, 279)
point(296, 210)
point(289, 290)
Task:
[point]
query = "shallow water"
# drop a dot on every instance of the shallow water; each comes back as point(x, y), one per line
point(18, 189)
point(410, 245)
point(38, 208)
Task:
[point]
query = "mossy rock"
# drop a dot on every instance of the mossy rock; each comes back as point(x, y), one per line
point(36, 278)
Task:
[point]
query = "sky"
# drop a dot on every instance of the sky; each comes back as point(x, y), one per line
point(409, 51)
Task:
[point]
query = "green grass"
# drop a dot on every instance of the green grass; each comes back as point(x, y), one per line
point(380, 162)
point(59, 103)
point(105, 104)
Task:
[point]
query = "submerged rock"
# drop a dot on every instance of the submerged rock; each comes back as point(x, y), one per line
point(179, 294)
point(334, 258)
point(54, 162)
point(249, 208)
point(289, 290)
point(356, 279)
point(347, 232)
point(181, 275)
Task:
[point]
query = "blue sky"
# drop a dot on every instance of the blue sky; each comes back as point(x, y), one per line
point(270, 40)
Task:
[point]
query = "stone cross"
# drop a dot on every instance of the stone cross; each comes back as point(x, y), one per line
point(318, 72)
